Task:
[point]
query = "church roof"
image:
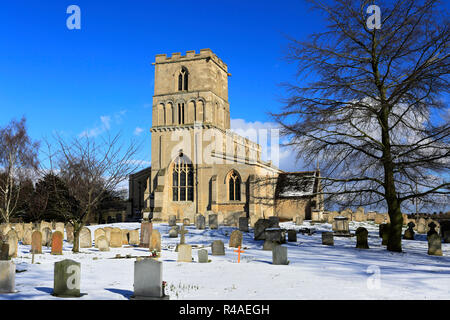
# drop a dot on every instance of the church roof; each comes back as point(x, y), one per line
point(296, 184)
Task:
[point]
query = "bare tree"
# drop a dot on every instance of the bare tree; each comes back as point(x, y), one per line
point(371, 105)
point(91, 169)
point(18, 159)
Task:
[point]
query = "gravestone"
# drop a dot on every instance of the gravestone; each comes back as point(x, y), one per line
point(212, 221)
point(134, 237)
point(359, 215)
point(202, 256)
point(59, 226)
point(116, 238)
point(148, 280)
point(298, 220)
point(172, 220)
point(186, 222)
point(279, 255)
point(69, 232)
point(328, 238)
point(269, 245)
point(340, 226)
point(217, 248)
point(243, 224)
point(46, 237)
point(19, 228)
point(7, 277)
point(183, 232)
point(200, 222)
point(57, 243)
point(184, 253)
point(4, 251)
point(12, 241)
point(434, 245)
point(361, 238)
point(275, 235)
point(67, 279)
point(432, 230)
point(102, 243)
point(27, 233)
point(108, 233)
point(259, 230)
point(155, 241)
point(316, 216)
point(173, 232)
point(235, 239)
point(85, 238)
point(98, 233)
point(146, 233)
point(409, 233)
point(422, 226)
point(36, 242)
point(292, 235)
point(125, 233)
point(384, 231)
point(274, 222)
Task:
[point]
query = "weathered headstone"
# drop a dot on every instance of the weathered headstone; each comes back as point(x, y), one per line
point(274, 222)
point(67, 278)
point(328, 238)
point(202, 255)
point(26, 240)
point(116, 238)
point(298, 220)
point(46, 236)
point(12, 241)
point(384, 231)
point(102, 243)
point(57, 243)
point(361, 238)
point(409, 233)
point(85, 238)
point(146, 232)
point(316, 216)
point(155, 241)
point(292, 235)
point(108, 233)
point(134, 237)
point(125, 233)
point(243, 224)
point(235, 239)
point(98, 233)
point(432, 229)
point(275, 235)
point(259, 230)
point(172, 220)
point(7, 276)
point(279, 255)
point(148, 280)
point(200, 222)
point(184, 253)
point(212, 221)
point(434, 245)
point(359, 215)
point(340, 226)
point(36, 242)
point(186, 222)
point(173, 232)
point(4, 251)
point(268, 245)
point(218, 248)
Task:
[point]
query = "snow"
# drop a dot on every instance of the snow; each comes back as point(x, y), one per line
point(315, 271)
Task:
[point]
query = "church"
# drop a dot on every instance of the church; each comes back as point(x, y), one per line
point(198, 165)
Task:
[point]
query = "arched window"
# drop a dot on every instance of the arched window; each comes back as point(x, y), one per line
point(234, 184)
point(182, 179)
point(181, 113)
point(183, 79)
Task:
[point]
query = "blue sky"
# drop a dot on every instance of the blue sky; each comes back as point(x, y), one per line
point(100, 77)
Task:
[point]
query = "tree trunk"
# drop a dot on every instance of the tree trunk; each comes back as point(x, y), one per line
point(76, 237)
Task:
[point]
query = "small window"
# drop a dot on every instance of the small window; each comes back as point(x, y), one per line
point(183, 80)
point(234, 184)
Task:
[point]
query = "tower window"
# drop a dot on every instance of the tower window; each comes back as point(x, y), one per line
point(234, 183)
point(182, 180)
point(181, 113)
point(183, 80)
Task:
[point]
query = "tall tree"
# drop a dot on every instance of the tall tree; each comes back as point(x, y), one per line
point(18, 160)
point(371, 106)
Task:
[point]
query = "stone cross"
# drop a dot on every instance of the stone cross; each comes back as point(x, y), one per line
point(182, 232)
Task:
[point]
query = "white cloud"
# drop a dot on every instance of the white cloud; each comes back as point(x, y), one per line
point(138, 131)
point(105, 124)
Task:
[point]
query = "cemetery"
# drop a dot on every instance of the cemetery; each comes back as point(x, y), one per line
point(205, 259)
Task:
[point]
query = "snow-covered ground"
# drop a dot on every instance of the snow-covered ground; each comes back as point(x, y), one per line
point(315, 271)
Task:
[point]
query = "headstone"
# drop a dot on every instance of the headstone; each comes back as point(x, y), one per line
point(108, 233)
point(19, 228)
point(59, 226)
point(125, 233)
point(102, 243)
point(341, 226)
point(359, 215)
point(148, 280)
point(85, 238)
point(26, 240)
point(384, 231)
point(409, 233)
point(134, 237)
point(116, 238)
point(432, 229)
point(67, 279)
point(298, 220)
point(12, 240)
point(275, 235)
point(186, 222)
point(46, 236)
point(371, 215)
point(212, 221)
point(328, 238)
point(434, 245)
point(235, 239)
point(421, 226)
point(183, 232)
point(218, 248)
point(36, 242)
point(361, 238)
point(202, 256)
point(57, 243)
point(4, 251)
point(172, 220)
point(7, 277)
point(243, 224)
point(274, 222)
point(97, 233)
point(316, 216)
point(184, 253)
point(155, 241)
point(292, 235)
point(146, 232)
point(200, 222)
point(173, 232)
point(269, 245)
point(259, 230)
point(279, 255)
